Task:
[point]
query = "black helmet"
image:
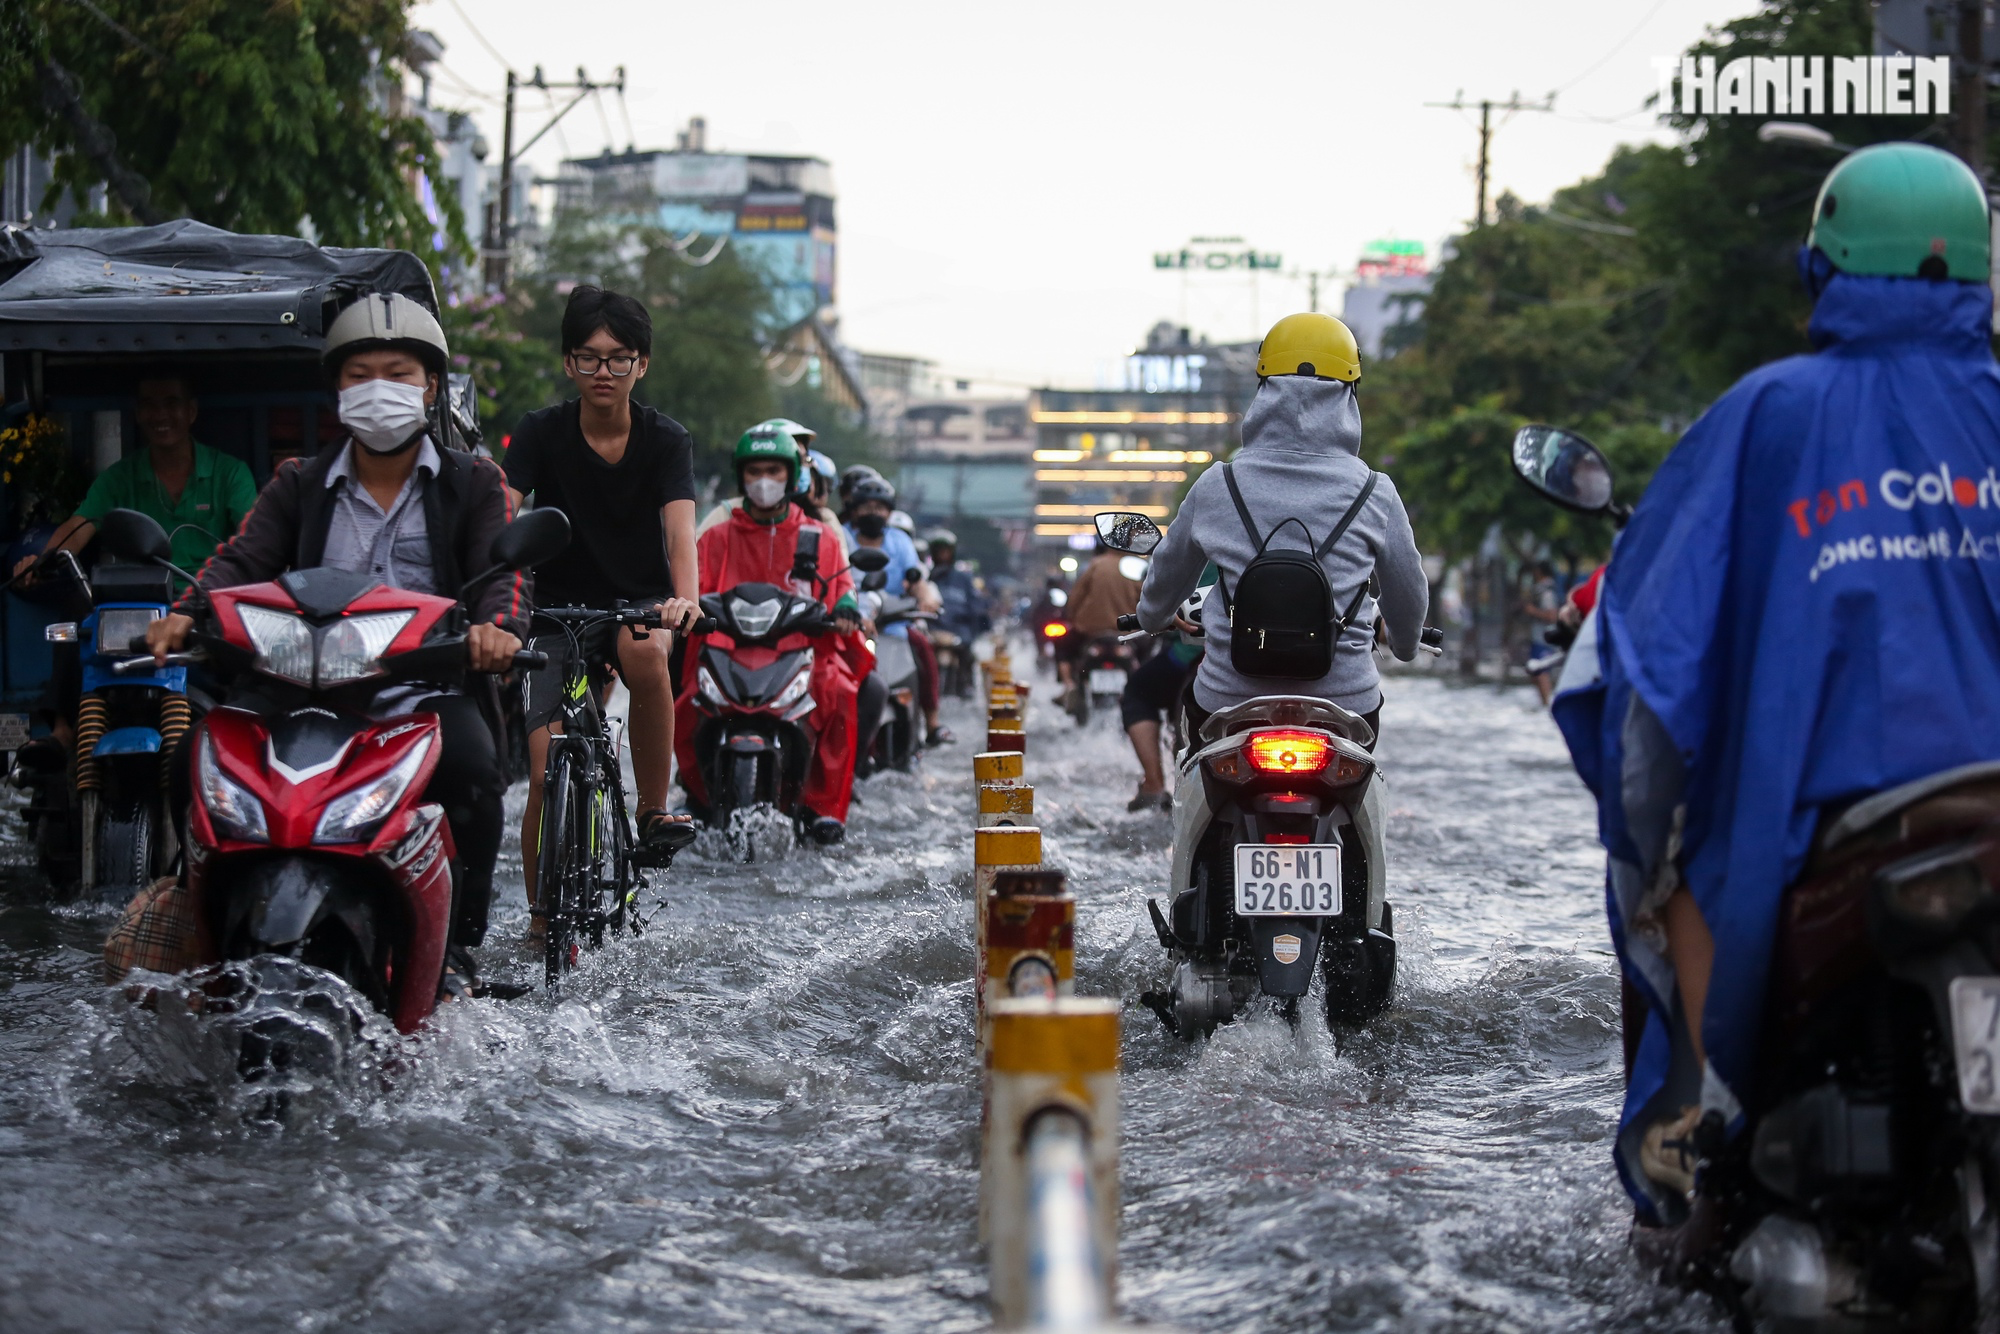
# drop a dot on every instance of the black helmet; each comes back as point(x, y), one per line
point(853, 475)
point(872, 488)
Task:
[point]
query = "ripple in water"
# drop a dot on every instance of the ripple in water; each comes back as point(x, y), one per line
point(763, 1113)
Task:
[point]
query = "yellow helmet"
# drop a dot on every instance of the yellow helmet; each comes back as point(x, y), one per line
point(1314, 344)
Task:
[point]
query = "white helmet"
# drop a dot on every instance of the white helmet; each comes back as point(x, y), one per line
point(386, 319)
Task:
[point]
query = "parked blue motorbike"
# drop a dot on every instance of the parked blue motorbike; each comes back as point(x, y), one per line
point(104, 820)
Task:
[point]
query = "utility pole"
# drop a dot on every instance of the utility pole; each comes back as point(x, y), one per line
point(1487, 106)
point(1971, 90)
point(500, 220)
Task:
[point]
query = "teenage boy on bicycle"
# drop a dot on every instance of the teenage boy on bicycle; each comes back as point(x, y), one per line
point(625, 477)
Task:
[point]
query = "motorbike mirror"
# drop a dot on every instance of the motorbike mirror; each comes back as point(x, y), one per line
point(874, 581)
point(1564, 467)
point(1128, 532)
point(536, 536)
point(1133, 568)
point(134, 536)
point(868, 559)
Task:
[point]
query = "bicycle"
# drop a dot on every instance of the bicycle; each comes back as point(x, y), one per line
point(590, 867)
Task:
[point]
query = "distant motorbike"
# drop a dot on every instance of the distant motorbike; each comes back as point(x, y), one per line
point(1863, 1191)
point(102, 821)
point(753, 690)
point(1099, 675)
point(1278, 863)
point(309, 842)
point(899, 740)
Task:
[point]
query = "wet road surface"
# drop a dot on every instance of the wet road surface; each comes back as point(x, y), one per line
point(763, 1114)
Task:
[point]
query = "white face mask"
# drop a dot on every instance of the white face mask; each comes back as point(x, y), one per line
point(383, 414)
point(765, 492)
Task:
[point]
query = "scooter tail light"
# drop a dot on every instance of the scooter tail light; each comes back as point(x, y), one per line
point(1055, 630)
point(1288, 752)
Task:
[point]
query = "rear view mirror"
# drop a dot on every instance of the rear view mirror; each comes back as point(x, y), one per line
point(868, 559)
point(874, 581)
point(134, 536)
point(534, 537)
point(1564, 467)
point(1128, 532)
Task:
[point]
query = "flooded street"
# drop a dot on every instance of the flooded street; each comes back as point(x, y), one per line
point(763, 1114)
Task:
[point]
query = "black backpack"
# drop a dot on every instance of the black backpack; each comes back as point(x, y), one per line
point(1281, 621)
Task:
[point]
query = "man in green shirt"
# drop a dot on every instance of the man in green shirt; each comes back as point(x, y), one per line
point(198, 494)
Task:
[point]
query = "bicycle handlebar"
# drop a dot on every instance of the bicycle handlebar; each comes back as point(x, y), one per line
point(530, 660)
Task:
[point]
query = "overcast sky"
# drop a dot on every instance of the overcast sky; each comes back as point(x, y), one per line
point(1006, 172)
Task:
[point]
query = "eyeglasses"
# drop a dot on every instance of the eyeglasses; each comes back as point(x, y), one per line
point(586, 363)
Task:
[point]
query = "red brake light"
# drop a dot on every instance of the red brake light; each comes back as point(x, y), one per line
point(1055, 629)
point(1288, 752)
point(1287, 839)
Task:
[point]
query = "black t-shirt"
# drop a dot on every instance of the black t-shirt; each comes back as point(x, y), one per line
point(617, 541)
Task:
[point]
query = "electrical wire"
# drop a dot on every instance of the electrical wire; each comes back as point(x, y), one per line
point(631, 138)
point(1606, 57)
point(480, 37)
point(604, 119)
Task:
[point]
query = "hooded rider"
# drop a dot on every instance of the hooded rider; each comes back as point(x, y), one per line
point(755, 544)
point(388, 503)
point(1301, 459)
point(1804, 609)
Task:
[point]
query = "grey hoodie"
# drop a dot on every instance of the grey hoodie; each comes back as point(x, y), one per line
point(1300, 457)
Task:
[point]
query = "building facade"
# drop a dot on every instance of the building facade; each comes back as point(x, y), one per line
point(778, 212)
point(1391, 281)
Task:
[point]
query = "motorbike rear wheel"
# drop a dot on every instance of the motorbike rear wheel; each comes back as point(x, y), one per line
point(129, 849)
point(1357, 981)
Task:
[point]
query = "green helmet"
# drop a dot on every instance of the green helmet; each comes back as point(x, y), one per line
point(1892, 208)
point(768, 441)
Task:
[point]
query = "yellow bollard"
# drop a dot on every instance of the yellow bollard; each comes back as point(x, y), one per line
point(1049, 1170)
point(1006, 803)
point(1006, 734)
point(1030, 936)
point(994, 849)
point(1003, 766)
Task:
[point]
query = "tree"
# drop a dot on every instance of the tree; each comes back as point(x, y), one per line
point(1623, 307)
point(250, 117)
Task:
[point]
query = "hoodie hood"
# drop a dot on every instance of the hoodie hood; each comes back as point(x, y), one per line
point(1952, 317)
point(1303, 416)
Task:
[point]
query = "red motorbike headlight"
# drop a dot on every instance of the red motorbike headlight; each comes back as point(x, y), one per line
point(1055, 629)
point(1288, 752)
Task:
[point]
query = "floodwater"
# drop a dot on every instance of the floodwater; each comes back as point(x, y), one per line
point(763, 1113)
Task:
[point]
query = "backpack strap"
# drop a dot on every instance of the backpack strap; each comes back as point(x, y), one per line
point(1346, 520)
point(1242, 510)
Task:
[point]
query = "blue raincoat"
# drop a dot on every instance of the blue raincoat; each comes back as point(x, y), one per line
point(1804, 609)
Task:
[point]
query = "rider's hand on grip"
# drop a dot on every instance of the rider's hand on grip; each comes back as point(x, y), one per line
point(530, 660)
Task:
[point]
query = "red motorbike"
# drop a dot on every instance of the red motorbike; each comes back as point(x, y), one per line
point(308, 839)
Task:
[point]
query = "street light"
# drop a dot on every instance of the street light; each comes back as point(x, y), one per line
point(1796, 132)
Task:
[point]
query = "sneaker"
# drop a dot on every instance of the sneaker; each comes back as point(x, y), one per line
point(1667, 1154)
point(826, 831)
point(940, 736)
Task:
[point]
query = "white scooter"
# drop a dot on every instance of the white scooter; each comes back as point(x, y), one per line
point(1278, 859)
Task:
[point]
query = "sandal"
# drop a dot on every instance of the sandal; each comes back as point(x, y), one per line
point(664, 834)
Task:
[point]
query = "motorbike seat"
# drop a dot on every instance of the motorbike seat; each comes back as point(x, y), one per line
point(1286, 711)
point(1964, 796)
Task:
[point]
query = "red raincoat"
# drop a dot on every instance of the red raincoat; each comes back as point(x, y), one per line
point(743, 551)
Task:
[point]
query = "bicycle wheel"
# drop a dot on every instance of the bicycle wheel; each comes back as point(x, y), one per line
point(557, 866)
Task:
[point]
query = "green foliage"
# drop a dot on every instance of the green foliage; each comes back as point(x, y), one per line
point(1620, 309)
point(249, 116)
point(515, 373)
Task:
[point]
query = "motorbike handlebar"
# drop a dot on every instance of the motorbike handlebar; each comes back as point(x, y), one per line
point(1129, 621)
point(1431, 641)
point(173, 660)
point(702, 625)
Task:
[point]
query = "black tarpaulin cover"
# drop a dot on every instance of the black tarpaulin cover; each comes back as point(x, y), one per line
point(183, 287)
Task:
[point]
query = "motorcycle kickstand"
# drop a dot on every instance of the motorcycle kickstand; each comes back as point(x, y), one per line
point(1160, 927)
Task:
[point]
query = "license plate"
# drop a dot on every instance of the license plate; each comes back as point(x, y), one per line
point(1975, 1033)
point(1296, 880)
point(13, 731)
point(1107, 681)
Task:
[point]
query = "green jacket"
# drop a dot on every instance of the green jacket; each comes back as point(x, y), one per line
point(217, 496)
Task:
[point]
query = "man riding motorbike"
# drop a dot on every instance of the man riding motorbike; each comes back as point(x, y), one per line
point(389, 503)
point(1804, 610)
point(1300, 460)
point(963, 616)
point(813, 484)
point(1101, 595)
point(756, 544)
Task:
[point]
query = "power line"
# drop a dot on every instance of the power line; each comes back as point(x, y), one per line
point(1622, 41)
point(480, 37)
